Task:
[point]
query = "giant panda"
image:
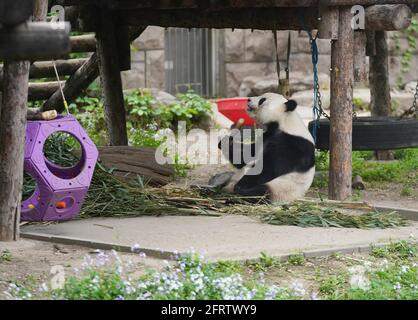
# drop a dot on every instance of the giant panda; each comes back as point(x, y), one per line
point(288, 152)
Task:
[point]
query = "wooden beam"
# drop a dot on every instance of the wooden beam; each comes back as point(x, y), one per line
point(83, 43)
point(111, 81)
point(226, 4)
point(12, 144)
point(260, 18)
point(81, 79)
point(45, 69)
point(78, 82)
point(263, 19)
point(42, 90)
point(34, 41)
point(341, 109)
point(388, 17)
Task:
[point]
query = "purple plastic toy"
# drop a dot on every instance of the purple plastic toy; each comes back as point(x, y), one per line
point(60, 192)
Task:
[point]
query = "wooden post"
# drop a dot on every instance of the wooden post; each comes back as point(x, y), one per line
point(360, 64)
point(12, 145)
point(111, 80)
point(12, 138)
point(342, 59)
point(380, 102)
point(40, 10)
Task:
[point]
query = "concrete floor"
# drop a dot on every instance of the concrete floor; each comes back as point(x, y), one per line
point(227, 237)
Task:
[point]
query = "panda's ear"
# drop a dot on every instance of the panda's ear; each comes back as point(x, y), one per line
point(291, 105)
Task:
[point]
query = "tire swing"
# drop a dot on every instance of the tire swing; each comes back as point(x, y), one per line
point(369, 133)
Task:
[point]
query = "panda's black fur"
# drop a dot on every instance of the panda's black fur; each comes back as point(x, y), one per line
point(284, 153)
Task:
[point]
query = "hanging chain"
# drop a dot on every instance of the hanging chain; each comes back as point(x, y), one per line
point(413, 110)
point(318, 110)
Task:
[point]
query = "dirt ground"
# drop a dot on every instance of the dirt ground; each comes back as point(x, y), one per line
point(29, 260)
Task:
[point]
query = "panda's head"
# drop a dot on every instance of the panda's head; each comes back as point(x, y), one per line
point(273, 107)
point(270, 107)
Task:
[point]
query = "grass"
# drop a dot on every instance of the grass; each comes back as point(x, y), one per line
point(6, 256)
point(296, 259)
point(396, 250)
point(390, 273)
point(402, 171)
point(332, 286)
point(264, 263)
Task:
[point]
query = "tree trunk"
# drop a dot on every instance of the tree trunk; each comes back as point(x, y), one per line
point(12, 146)
point(380, 102)
point(342, 56)
point(111, 80)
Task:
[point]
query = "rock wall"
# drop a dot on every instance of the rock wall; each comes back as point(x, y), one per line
point(249, 61)
point(147, 61)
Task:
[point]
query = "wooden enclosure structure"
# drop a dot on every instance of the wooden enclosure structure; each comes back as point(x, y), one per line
point(118, 22)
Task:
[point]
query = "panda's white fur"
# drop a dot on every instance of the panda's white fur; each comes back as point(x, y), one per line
point(288, 152)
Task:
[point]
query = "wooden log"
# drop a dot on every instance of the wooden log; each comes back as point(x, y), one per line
point(83, 43)
point(34, 41)
point(258, 18)
point(45, 69)
point(341, 109)
point(380, 99)
point(131, 162)
point(13, 12)
point(263, 19)
point(388, 17)
point(12, 144)
point(42, 90)
point(111, 81)
point(81, 79)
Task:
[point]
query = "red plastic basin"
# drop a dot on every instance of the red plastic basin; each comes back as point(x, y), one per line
point(235, 109)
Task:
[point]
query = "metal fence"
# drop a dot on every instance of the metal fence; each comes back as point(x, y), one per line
point(192, 61)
